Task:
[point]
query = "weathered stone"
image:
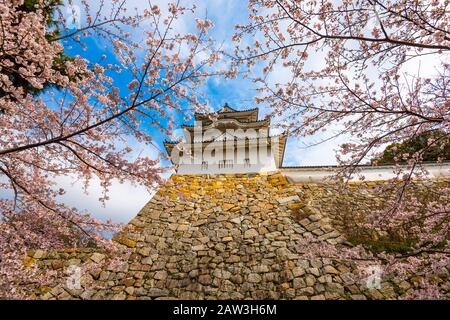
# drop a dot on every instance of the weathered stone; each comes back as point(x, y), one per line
point(298, 271)
point(251, 233)
point(104, 275)
point(139, 292)
point(237, 279)
point(288, 199)
point(73, 262)
point(156, 292)
point(233, 258)
point(57, 264)
point(39, 254)
point(154, 215)
point(205, 279)
point(97, 257)
point(199, 222)
point(314, 271)
point(227, 206)
point(193, 273)
point(286, 275)
point(404, 285)
point(347, 278)
point(290, 293)
point(144, 251)
point(283, 253)
point(308, 291)
point(204, 240)
point(237, 220)
point(128, 282)
point(358, 297)
point(317, 232)
point(222, 274)
point(310, 280)
point(374, 294)
point(387, 291)
point(198, 248)
point(160, 275)
point(299, 283)
point(318, 287)
point(129, 290)
point(182, 227)
point(254, 277)
point(331, 270)
point(335, 288)
point(87, 294)
point(147, 260)
point(126, 242)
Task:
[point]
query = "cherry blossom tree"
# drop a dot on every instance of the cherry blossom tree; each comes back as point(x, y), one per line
point(64, 115)
point(359, 68)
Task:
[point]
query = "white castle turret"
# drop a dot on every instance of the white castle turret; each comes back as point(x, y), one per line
point(229, 141)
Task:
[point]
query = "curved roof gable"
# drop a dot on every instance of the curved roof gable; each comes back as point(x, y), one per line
point(226, 111)
point(227, 108)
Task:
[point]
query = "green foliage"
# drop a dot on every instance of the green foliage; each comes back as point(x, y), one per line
point(416, 144)
point(48, 9)
point(389, 244)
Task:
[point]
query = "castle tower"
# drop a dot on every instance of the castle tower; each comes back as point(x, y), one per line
point(229, 141)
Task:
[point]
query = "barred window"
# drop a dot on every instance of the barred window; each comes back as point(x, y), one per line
point(225, 164)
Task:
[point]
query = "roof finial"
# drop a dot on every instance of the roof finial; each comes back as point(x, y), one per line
point(226, 108)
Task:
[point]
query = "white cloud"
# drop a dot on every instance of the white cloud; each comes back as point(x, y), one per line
point(303, 152)
point(125, 199)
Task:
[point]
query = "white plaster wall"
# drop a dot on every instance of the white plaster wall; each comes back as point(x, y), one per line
point(212, 132)
point(260, 161)
point(216, 134)
point(369, 173)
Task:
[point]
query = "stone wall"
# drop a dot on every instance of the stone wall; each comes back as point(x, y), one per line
point(222, 237)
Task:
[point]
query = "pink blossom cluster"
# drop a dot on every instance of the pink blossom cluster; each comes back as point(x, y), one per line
point(82, 129)
point(346, 71)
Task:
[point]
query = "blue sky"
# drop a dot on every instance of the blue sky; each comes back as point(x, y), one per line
point(238, 93)
point(126, 199)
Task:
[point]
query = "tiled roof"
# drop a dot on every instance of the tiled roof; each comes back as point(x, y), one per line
point(205, 113)
point(242, 122)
